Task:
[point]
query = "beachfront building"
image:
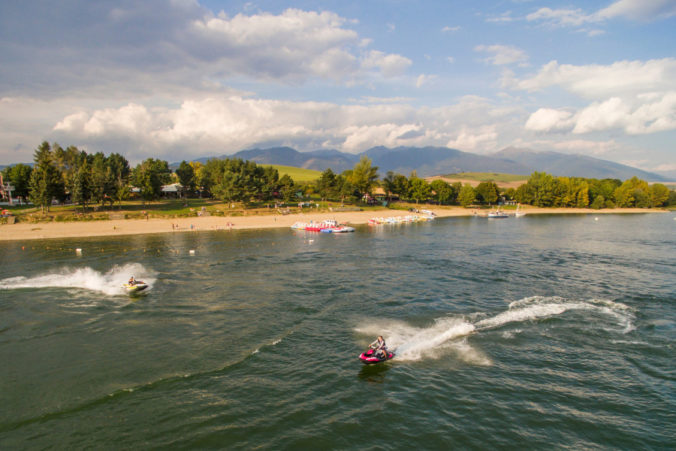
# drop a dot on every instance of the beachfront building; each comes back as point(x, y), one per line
point(174, 190)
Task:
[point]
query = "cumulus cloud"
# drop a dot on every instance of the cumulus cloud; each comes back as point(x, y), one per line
point(226, 124)
point(601, 81)
point(154, 46)
point(549, 120)
point(502, 54)
point(561, 17)
point(639, 9)
point(642, 10)
point(472, 138)
point(390, 65)
point(638, 97)
point(642, 115)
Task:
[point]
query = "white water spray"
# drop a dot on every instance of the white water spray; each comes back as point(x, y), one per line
point(450, 334)
point(109, 283)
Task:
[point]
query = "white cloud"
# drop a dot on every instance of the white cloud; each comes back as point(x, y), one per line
point(226, 124)
point(424, 79)
point(581, 146)
point(472, 138)
point(642, 10)
point(561, 17)
point(129, 120)
point(549, 120)
point(155, 46)
point(390, 65)
point(505, 17)
point(665, 167)
point(599, 81)
point(639, 9)
point(448, 29)
point(294, 43)
point(643, 115)
point(502, 54)
point(636, 97)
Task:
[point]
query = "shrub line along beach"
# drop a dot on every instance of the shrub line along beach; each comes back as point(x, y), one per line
point(46, 230)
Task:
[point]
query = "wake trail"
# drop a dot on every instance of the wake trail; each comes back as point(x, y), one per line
point(450, 334)
point(109, 282)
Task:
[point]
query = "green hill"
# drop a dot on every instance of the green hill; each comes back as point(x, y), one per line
point(297, 174)
point(487, 177)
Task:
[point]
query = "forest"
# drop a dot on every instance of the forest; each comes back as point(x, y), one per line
point(72, 175)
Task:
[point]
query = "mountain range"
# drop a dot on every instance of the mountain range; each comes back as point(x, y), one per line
point(429, 161)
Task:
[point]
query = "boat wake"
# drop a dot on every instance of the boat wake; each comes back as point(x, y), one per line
point(449, 334)
point(109, 283)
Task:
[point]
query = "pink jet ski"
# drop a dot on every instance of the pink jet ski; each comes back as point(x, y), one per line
point(369, 357)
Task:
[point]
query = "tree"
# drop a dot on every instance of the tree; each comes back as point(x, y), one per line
point(198, 169)
point(287, 188)
point(599, 202)
point(582, 196)
point(119, 173)
point(419, 189)
point(401, 186)
point(443, 191)
point(149, 177)
point(467, 195)
point(363, 176)
point(389, 185)
point(632, 193)
point(542, 190)
point(270, 183)
point(659, 195)
point(81, 186)
point(46, 182)
point(186, 175)
point(344, 188)
point(487, 192)
point(102, 181)
point(326, 184)
point(19, 176)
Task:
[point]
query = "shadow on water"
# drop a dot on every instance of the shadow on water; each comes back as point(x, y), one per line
point(374, 374)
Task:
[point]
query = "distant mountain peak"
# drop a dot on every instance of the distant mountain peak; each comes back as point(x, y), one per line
point(430, 161)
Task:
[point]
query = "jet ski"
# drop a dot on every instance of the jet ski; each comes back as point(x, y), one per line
point(369, 357)
point(131, 288)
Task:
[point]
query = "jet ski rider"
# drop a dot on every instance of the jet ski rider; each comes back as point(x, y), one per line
point(132, 281)
point(380, 347)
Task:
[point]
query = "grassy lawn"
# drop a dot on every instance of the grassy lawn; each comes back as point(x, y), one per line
point(166, 208)
point(297, 174)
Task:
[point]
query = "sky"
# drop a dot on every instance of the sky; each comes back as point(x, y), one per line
point(183, 79)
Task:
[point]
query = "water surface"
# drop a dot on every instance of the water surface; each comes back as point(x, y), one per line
point(540, 332)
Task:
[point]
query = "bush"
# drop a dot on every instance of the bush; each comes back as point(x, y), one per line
point(599, 203)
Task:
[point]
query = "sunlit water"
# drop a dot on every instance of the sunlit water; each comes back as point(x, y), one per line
point(535, 332)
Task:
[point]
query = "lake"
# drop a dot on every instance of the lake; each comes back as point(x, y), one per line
point(541, 332)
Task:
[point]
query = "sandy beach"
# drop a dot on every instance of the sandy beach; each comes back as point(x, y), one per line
point(25, 231)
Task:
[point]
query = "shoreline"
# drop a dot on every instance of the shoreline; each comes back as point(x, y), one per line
point(123, 227)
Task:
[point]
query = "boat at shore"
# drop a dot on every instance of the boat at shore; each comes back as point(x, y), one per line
point(401, 219)
point(497, 214)
point(326, 226)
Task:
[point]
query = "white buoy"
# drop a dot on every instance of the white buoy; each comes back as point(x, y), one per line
point(78, 251)
point(596, 219)
point(192, 251)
